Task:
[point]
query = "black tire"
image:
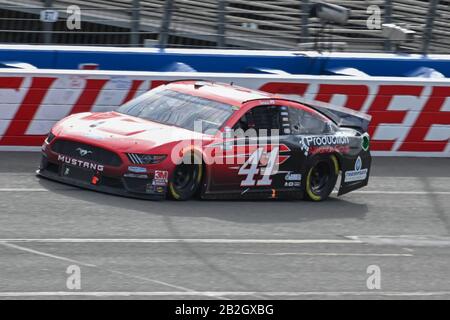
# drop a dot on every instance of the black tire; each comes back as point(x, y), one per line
point(186, 181)
point(321, 177)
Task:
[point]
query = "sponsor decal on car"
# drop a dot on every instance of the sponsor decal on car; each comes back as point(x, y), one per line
point(135, 175)
point(358, 174)
point(293, 180)
point(329, 149)
point(296, 184)
point(137, 169)
point(310, 143)
point(151, 188)
point(293, 176)
point(365, 142)
point(161, 178)
point(80, 163)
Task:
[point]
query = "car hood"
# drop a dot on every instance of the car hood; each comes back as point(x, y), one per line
point(121, 132)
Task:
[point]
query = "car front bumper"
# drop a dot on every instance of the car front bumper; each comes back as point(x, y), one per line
point(121, 186)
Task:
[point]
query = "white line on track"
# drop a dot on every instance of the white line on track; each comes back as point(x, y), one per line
point(40, 253)
point(23, 190)
point(401, 192)
point(326, 254)
point(404, 240)
point(207, 241)
point(223, 294)
point(368, 192)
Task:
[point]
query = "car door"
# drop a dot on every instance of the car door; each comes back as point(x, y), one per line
point(255, 153)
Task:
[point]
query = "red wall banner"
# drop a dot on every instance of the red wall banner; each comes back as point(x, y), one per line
point(410, 117)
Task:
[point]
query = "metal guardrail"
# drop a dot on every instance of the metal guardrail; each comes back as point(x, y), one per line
point(277, 24)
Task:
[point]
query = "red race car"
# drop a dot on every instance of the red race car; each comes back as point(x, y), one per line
point(213, 140)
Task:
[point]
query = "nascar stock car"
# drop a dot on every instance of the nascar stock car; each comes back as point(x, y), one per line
point(196, 138)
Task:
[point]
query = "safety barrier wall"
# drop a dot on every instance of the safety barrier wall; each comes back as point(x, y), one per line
point(410, 116)
point(227, 61)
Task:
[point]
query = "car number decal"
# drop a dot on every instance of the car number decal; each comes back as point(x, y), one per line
point(250, 167)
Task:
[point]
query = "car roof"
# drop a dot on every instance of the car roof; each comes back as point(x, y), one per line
point(222, 92)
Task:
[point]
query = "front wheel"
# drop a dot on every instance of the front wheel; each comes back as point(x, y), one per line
point(186, 181)
point(321, 178)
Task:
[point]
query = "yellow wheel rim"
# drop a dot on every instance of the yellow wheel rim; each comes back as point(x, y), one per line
point(310, 193)
point(174, 192)
point(336, 164)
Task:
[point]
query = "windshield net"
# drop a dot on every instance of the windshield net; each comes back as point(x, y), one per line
point(179, 109)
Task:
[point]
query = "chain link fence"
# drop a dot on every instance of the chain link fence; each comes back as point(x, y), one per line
point(265, 24)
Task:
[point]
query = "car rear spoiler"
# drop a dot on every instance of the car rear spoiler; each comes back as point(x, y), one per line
point(343, 117)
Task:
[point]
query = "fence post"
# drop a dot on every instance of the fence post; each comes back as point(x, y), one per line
point(47, 26)
point(221, 28)
point(428, 32)
point(304, 8)
point(387, 19)
point(165, 23)
point(135, 22)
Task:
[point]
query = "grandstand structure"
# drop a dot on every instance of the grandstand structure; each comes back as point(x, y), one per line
point(255, 24)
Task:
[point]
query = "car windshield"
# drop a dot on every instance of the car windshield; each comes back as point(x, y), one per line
point(179, 109)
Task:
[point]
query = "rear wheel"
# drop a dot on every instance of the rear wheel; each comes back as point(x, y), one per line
point(321, 178)
point(186, 181)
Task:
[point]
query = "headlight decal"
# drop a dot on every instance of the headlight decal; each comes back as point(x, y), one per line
point(50, 137)
point(138, 158)
point(134, 158)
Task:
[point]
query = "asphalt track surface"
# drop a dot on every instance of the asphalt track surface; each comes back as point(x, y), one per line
point(128, 248)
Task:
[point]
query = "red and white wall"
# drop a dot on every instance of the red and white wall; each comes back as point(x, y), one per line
point(410, 116)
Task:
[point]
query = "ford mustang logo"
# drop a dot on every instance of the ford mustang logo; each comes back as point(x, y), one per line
point(83, 152)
